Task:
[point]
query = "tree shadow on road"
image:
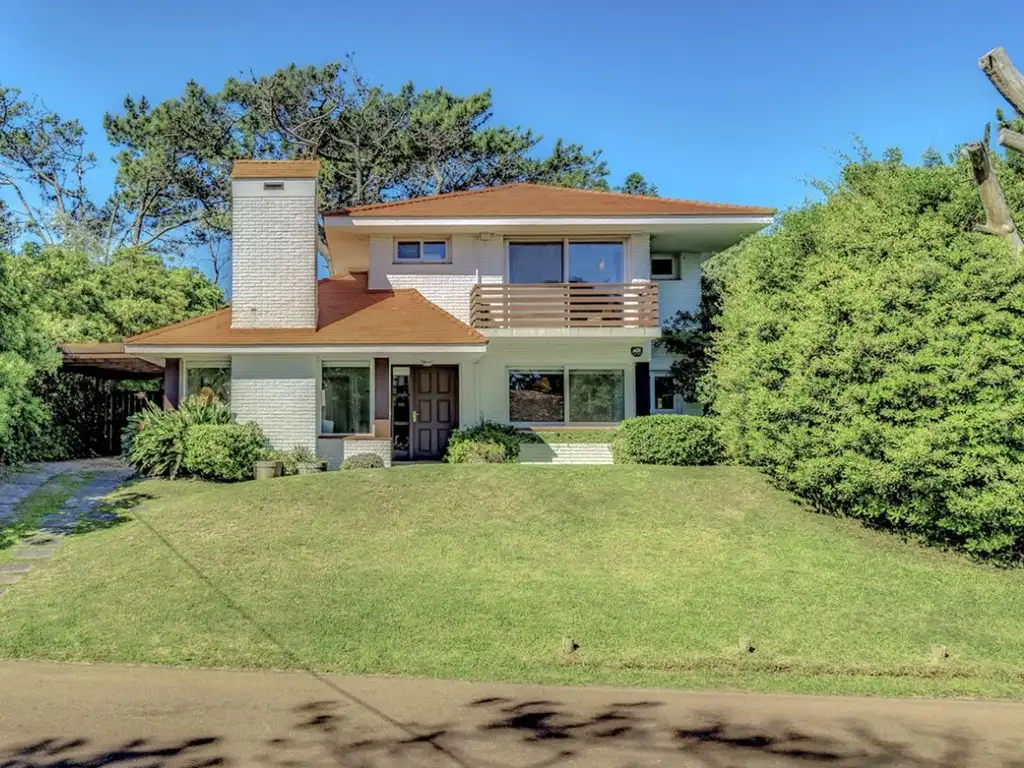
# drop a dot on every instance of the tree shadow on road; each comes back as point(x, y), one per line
point(499, 732)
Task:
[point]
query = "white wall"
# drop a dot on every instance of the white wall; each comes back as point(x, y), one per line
point(502, 354)
point(278, 392)
point(273, 254)
point(447, 285)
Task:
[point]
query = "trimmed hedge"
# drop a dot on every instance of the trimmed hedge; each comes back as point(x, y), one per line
point(508, 437)
point(223, 451)
point(153, 442)
point(363, 461)
point(477, 452)
point(673, 440)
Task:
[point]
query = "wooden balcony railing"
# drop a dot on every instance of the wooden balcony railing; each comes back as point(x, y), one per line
point(564, 305)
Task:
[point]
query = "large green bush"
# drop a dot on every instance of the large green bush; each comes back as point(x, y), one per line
point(223, 451)
point(672, 440)
point(154, 440)
point(870, 354)
point(508, 437)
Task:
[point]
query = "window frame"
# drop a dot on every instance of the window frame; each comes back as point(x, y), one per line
point(629, 395)
point(565, 241)
point(676, 397)
point(322, 401)
point(673, 258)
point(421, 241)
point(183, 373)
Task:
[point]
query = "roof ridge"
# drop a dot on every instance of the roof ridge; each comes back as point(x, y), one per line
point(445, 195)
point(655, 198)
point(180, 324)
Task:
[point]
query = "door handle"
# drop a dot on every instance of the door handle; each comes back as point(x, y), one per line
point(415, 416)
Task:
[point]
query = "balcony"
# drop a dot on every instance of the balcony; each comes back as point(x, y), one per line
point(511, 306)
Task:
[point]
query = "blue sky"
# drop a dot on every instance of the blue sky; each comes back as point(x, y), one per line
point(729, 101)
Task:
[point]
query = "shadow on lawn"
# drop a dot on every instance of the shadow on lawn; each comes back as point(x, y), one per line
point(112, 512)
point(504, 733)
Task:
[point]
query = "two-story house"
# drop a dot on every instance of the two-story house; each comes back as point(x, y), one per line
point(525, 304)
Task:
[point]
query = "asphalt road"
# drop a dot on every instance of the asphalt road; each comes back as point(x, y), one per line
point(76, 715)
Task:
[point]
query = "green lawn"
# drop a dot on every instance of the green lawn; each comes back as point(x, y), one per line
point(478, 572)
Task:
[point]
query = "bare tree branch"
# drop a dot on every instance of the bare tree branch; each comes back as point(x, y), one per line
point(1011, 139)
point(1005, 77)
point(998, 220)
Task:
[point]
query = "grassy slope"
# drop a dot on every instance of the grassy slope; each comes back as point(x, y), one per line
point(478, 572)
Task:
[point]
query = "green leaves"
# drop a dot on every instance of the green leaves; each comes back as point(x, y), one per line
point(869, 353)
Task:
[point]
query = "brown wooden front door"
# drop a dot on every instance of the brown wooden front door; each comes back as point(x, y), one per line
point(435, 407)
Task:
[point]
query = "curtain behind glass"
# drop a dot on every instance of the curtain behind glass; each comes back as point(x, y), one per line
point(535, 262)
point(595, 262)
point(346, 400)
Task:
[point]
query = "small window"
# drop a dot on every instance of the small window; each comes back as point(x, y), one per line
point(664, 393)
point(346, 400)
point(433, 251)
point(209, 383)
point(663, 267)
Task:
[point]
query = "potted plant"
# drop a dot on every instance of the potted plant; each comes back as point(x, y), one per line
point(306, 461)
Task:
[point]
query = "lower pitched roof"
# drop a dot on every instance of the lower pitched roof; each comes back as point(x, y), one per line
point(348, 313)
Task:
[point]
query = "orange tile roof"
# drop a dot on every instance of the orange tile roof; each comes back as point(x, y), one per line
point(541, 200)
point(348, 313)
point(275, 169)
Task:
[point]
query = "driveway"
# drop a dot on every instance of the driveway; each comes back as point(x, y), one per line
point(68, 716)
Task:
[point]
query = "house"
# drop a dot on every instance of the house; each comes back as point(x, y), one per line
point(525, 304)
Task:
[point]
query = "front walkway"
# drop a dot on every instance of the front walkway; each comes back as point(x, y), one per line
point(80, 507)
point(77, 715)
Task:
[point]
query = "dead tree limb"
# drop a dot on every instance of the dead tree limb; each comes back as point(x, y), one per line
point(1011, 140)
point(1005, 77)
point(998, 220)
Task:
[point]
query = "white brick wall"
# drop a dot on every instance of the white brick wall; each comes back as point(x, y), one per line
point(566, 453)
point(337, 450)
point(273, 254)
point(447, 285)
point(278, 392)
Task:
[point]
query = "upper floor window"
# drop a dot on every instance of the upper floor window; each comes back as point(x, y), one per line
point(424, 251)
point(566, 261)
point(664, 266)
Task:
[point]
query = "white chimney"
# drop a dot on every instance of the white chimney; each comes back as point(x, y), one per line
point(273, 243)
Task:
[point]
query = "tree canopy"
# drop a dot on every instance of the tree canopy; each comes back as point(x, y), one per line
point(173, 158)
point(869, 354)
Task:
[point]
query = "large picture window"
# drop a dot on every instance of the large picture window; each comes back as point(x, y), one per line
point(566, 261)
point(209, 383)
point(597, 396)
point(566, 395)
point(536, 396)
point(346, 400)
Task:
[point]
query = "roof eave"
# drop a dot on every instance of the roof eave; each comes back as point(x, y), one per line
point(485, 223)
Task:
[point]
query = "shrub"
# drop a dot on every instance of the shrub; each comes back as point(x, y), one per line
point(674, 440)
point(223, 451)
point(287, 459)
point(869, 356)
point(363, 461)
point(508, 437)
point(476, 452)
point(154, 440)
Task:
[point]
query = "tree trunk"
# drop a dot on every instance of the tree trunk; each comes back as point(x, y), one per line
point(1005, 77)
point(1011, 140)
point(998, 220)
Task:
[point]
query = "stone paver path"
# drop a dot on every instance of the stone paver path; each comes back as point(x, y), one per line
point(82, 506)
